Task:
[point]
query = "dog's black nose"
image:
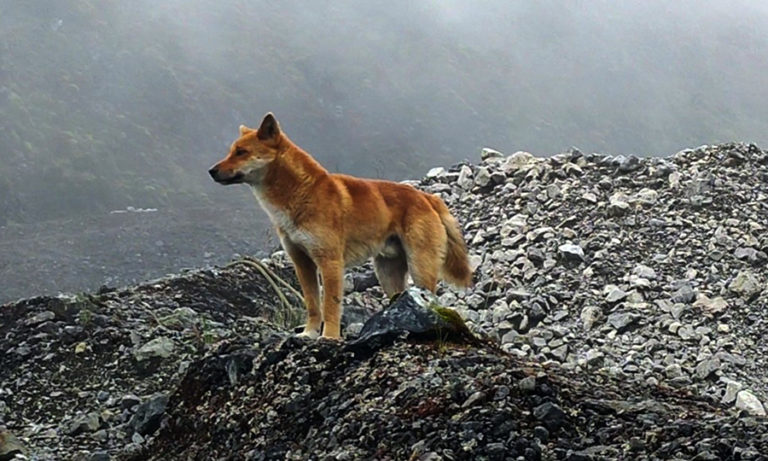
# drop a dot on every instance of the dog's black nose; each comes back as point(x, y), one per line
point(213, 172)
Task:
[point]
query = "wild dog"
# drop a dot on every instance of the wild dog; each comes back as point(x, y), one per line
point(327, 222)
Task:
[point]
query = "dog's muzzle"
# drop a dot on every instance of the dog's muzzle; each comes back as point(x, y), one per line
point(221, 178)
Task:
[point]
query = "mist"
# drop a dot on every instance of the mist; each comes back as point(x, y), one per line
point(111, 112)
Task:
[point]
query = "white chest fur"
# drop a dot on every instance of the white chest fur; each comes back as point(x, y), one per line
point(282, 220)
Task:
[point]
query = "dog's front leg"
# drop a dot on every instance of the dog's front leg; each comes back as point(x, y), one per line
point(332, 272)
point(306, 272)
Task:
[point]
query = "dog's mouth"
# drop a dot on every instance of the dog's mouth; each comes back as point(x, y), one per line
point(236, 179)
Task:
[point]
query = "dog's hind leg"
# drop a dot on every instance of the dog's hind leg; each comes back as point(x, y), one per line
point(391, 272)
point(424, 242)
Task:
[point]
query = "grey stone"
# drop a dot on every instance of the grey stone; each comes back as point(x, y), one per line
point(146, 420)
point(707, 367)
point(353, 329)
point(475, 398)
point(590, 315)
point(510, 337)
point(618, 205)
point(732, 388)
point(436, 172)
point(751, 255)
point(84, 423)
point(560, 353)
point(10, 446)
point(745, 284)
point(551, 415)
point(159, 347)
point(99, 456)
point(647, 196)
point(673, 370)
point(128, 401)
point(645, 272)
point(415, 312)
point(684, 294)
point(465, 179)
point(486, 153)
point(571, 252)
point(711, 306)
point(482, 177)
point(541, 433)
point(594, 357)
point(517, 161)
point(686, 332)
point(527, 384)
point(622, 320)
point(40, 318)
point(614, 294)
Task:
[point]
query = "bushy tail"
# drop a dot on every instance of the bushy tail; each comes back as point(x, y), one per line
point(456, 268)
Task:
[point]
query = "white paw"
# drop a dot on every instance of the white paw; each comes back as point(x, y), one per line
point(311, 334)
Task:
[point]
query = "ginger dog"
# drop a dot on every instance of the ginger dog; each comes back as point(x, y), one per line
point(327, 222)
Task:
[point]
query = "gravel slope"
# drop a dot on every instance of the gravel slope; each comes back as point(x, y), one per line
point(624, 298)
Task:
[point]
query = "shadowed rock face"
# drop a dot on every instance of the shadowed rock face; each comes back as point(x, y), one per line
point(624, 301)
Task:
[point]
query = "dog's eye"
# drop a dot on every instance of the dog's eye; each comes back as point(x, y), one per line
point(240, 152)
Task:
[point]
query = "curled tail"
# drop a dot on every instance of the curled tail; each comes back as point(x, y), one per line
point(456, 268)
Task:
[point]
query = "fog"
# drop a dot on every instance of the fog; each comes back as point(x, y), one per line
point(106, 105)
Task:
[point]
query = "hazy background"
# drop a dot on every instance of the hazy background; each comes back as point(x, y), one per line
point(109, 104)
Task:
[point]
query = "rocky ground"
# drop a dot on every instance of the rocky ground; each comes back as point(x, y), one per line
point(620, 302)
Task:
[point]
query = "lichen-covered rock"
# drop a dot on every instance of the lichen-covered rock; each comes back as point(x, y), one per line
point(415, 312)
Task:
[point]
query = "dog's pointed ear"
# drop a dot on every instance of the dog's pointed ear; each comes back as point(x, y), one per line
point(269, 128)
point(244, 130)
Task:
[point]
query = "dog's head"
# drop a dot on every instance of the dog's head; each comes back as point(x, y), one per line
point(249, 154)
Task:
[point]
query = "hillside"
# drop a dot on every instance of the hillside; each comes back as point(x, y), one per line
point(621, 301)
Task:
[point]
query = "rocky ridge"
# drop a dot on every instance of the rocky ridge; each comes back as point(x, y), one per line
point(625, 301)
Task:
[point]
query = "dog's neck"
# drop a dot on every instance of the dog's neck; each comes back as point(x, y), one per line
point(291, 174)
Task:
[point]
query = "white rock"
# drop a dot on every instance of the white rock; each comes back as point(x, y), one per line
point(571, 251)
point(731, 389)
point(647, 196)
point(475, 261)
point(490, 155)
point(435, 172)
point(517, 161)
point(482, 177)
point(589, 315)
point(159, 347)
point(644, 271)
point(747, 401)
point(465, 180)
